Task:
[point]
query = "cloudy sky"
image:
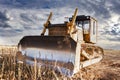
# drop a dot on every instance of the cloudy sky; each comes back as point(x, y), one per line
point(19, 18)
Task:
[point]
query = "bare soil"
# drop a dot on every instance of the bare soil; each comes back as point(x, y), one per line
point(107, 69)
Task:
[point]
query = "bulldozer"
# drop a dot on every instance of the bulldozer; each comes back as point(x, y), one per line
point(67, 47)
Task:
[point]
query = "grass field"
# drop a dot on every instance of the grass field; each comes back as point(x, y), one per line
point(10, 69)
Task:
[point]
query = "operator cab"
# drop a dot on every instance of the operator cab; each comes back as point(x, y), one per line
point(89, 27)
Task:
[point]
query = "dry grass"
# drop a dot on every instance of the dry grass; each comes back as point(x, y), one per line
point(10, 69)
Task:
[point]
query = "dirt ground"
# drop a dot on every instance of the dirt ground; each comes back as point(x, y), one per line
point(107, 69)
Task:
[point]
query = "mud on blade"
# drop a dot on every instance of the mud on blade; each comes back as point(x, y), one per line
point(50, 51)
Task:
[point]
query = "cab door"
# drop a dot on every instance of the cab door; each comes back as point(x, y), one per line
point(93, 31)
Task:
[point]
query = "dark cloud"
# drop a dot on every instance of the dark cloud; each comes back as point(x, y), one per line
point(25, 17)
point(111, 33)
point(3, 16)
point(10, 33)
point(3, 19)
point(97, 6)
point(4, 25)
point(115, 6)
point(100, 10)
point(33, 3)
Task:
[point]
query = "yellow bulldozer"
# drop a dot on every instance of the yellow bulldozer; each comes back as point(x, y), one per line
point(68, 46)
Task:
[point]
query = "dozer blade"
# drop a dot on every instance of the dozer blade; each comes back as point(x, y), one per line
point(52, 51)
